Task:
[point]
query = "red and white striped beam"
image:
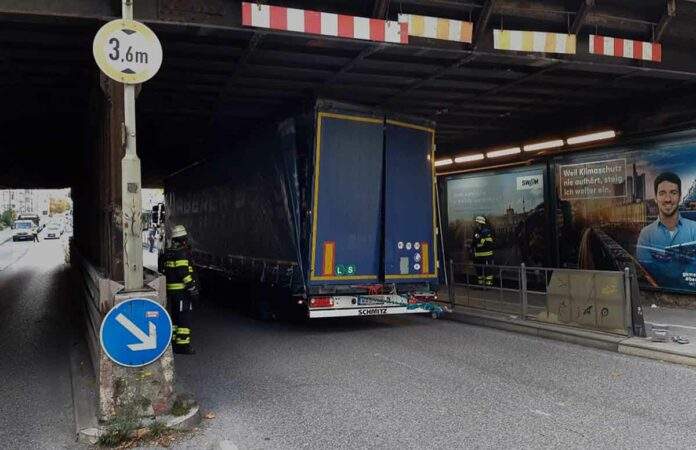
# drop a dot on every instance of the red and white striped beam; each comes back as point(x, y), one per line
point(625, 48)
point(327, 24)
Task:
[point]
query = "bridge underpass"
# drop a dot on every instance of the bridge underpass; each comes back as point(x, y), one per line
point(62, 119)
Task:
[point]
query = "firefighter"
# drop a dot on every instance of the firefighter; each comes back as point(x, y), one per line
point(182, 288)
point(483, 247)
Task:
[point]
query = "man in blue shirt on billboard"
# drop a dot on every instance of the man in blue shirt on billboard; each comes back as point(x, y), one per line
point(666, 248)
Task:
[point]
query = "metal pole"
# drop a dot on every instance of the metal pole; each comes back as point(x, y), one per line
point(451, 283)
point(628, 317)
point(131, 200)
point(523, 289)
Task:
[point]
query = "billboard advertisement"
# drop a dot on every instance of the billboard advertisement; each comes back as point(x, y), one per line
point(636, 205)
point(513, 204)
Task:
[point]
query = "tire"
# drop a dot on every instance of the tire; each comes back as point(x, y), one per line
point(14, 239)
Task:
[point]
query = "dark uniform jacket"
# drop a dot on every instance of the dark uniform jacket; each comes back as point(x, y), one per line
point(176, 265)
point(483, 242)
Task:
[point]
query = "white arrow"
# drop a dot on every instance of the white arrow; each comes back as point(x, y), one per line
point(147, 342)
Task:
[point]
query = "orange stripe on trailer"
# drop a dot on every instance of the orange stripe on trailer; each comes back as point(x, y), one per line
point(329, 257)
point(425, 250)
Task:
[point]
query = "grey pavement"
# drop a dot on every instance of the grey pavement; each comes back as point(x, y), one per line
point(414, 382)
point(678, 321)
point(5, 234)
point(35, 394)
point(674, 316)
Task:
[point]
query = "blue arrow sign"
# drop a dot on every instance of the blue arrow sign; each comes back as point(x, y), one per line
point(136, 332)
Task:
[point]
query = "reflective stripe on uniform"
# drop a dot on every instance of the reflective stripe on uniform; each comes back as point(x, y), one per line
point(479, 254)
point(188, 279)
point(182, 341)
point(183, 331)
point(177, 263)
point(175, 286)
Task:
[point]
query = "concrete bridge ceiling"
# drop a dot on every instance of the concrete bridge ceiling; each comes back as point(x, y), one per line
point(216, 71)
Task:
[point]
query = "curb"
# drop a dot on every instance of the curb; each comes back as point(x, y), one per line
point(91, 435)
point(633, 346)
point(84, 394)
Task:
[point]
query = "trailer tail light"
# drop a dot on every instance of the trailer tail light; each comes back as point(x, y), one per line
point(321, 302)
point(421, 298)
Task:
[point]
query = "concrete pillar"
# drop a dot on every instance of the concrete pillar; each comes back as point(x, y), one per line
point(97, 252)
point(97, 194)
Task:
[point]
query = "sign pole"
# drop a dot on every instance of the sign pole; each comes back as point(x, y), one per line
point(131, 199)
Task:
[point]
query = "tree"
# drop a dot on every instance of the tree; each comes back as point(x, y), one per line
point(58, 205)
point(8, 217)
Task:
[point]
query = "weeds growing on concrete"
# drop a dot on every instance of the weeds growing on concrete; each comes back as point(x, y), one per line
point(157, 429)
point(180, 407)
point(119, 429)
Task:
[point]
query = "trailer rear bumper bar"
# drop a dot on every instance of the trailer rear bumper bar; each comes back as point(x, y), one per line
point(371, 311)
point(369, 305)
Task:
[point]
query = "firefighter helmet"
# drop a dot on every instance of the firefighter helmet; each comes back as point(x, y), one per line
point(179, 231)
point(481, 220)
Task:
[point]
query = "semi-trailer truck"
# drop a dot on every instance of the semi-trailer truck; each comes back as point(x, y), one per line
point(333, 209)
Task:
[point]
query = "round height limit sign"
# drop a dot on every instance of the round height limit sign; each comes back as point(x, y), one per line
point(127, 51)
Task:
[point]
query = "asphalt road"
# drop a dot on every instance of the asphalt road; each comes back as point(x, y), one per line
point(414, 382)
point(35, 391)
point(408, 382)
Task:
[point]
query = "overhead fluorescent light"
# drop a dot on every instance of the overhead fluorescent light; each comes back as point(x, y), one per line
point(469, 158)
point(543, 145)
point(443, 162)
point(503, 152)
point(591, 137)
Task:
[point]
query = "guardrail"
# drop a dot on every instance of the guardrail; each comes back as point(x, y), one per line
point(592, 299)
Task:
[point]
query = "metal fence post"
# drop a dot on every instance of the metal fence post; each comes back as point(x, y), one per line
point(523, 289)
point(466, 286)
point(628, 317)
point(451, 283)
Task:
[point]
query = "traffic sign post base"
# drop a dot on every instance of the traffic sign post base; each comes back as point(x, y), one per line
point(149, 389)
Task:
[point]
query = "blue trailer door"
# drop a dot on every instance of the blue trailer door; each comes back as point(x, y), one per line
point(347, 192)
point(409, 222)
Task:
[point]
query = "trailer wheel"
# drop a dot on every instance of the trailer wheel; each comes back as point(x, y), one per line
point(434, 315)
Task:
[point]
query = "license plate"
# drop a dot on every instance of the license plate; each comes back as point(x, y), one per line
point(365, 301)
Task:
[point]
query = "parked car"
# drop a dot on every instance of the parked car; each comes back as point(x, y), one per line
point(53, 231)
point(24, 230)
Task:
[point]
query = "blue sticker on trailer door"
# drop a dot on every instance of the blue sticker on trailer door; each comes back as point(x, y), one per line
point(347, 192)
point(409, 234)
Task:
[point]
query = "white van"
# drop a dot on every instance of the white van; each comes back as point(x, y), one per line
point(23, 230)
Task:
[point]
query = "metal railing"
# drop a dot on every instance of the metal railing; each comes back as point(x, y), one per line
point(592, 299)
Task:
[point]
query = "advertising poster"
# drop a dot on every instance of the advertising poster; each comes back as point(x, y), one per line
point(636, 206)
point(513, 205)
